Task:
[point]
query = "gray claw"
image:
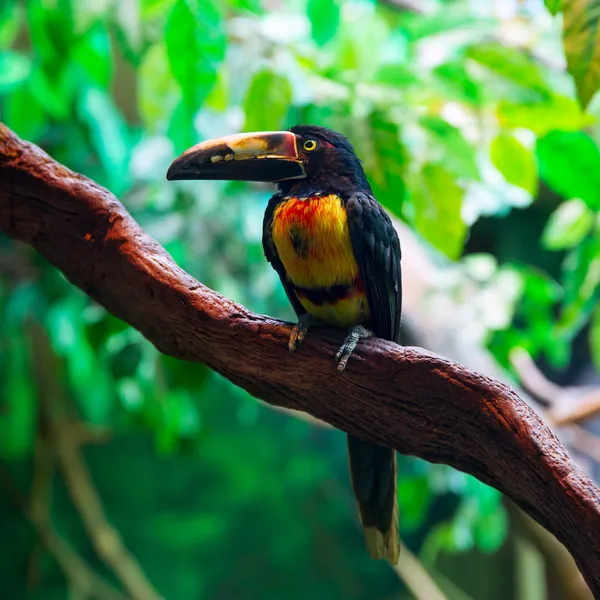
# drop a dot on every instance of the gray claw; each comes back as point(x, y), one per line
point(354, 334)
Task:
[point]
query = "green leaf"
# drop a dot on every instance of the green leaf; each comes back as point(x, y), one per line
point(195, 42)
point(448, 146)
point(324, 16)
point(267, 101)
point(516, 163)
point(54, 92)
point(93, 54)
point(386, 162)
point(18, 403)
point(14, 70)
point(51, 30)
point(569, 163)
point(108, 134)
point(396, 75)
point(11, 20)
point(533, 326)
point(554, 6)
point(436, 200)
point(568, 225)
point(253, 6)
point(581, 38)
point(414, 497)
point(582, 286)
point(22, 113)
point(595, 338)
point(68, 338)
point(158, 92)
point(510, 63)
point(556, 112)
point(491, 530)
point(456, 82)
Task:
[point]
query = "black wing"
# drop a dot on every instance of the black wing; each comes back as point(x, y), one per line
point(377, 250)
point(272, 256)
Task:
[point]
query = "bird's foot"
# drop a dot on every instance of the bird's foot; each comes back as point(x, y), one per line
point(355, 333)
point(305, 322)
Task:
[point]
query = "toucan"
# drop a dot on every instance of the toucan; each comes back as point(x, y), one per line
point(338, 257)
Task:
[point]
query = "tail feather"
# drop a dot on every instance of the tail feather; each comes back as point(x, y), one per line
point(373, 473)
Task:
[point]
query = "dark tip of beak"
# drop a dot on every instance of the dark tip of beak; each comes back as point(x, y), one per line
point(197, 164)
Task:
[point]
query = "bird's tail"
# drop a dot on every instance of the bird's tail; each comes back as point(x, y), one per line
point(373, 473)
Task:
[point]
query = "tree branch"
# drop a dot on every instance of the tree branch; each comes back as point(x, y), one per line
point(406, 398)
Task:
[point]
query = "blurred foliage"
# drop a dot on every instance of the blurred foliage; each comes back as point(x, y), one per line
point(462, 114)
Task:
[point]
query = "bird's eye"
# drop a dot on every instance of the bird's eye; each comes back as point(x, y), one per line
point(310, 145)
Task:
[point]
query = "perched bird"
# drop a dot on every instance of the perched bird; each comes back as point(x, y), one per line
point(338, 257)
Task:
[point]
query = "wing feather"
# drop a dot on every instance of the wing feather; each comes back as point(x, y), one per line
point(377, 250)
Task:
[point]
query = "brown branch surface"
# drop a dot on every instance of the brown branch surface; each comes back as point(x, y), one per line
point(402, 397)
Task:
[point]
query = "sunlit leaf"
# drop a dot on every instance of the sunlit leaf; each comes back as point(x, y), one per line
point(557, 112)
point(449, 146)
point(457, 83)
point(109, 135)
point(581, 36)
point(324, 18)
point(218, 98)
point(533, 326)
point(253, 6)
point(568, 225)
point(195, 43)
point(158, 92)
point(443, 21)
point(11, 18)
point(397, 75)
point(387, 162)
point(510, 63)
point(359, 43)
point(14, 70)
point(582, 286)
point(569, 163)
point(436, 200)
point(267, 101)
point(554, 6)
point(516, 163)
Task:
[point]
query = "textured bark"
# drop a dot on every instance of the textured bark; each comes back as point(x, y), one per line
point(402, 397)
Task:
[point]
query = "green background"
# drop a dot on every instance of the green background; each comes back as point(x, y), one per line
point(471, 133)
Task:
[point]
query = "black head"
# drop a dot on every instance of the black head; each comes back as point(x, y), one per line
point(329, 160)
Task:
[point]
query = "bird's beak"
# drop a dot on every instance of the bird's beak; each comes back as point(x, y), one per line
point(261, 156)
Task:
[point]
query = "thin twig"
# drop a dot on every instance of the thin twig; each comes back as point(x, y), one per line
point(105, 538)
point(76, 570)
point(39, 497)
point(561, 567)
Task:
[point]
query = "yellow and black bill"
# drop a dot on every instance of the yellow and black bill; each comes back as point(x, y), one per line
point(260, 156)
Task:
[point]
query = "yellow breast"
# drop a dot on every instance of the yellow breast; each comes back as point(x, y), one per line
point(312, 240)
point(313, 243)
